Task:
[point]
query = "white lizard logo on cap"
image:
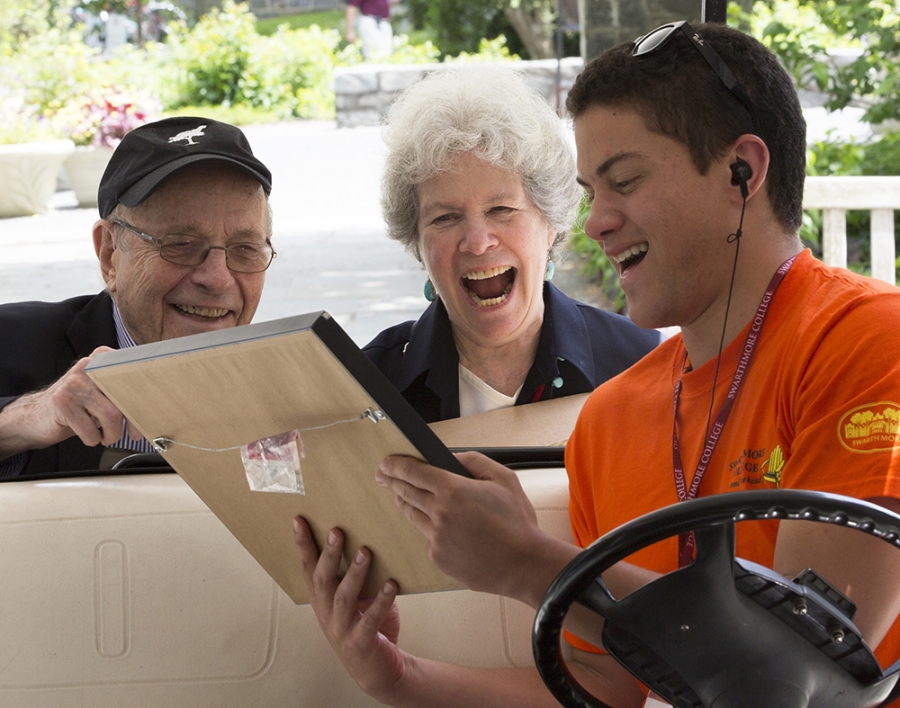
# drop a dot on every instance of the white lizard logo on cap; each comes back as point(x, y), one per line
point(189, 135)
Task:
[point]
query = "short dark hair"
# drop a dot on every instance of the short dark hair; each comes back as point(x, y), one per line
point(681, 97)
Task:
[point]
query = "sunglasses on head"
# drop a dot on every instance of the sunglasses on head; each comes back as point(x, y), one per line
point(658, 37)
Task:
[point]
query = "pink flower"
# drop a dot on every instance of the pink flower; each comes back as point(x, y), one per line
point(103, 117)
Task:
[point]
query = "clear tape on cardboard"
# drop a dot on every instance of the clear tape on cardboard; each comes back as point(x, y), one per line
point(273, 464)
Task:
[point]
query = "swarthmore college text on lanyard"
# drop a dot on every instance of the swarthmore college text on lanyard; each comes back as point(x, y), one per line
point(686, 540)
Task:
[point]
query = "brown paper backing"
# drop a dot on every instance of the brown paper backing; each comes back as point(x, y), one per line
point(233, 395)
point(542, 424)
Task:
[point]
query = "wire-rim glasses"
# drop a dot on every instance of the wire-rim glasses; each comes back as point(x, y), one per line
point(187, 250)
point(658, 37)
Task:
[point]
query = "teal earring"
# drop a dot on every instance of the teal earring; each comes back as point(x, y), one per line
point(430, 294)
point(548, 274)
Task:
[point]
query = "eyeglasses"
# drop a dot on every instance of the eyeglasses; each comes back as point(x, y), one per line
point(186, 250)
point(658, 37)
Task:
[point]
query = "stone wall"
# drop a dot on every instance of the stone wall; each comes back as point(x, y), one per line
point(364, 93)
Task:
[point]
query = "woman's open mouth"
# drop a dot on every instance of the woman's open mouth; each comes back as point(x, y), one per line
point(489, 287)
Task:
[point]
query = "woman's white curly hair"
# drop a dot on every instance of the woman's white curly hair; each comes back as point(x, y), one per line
point(488, 111)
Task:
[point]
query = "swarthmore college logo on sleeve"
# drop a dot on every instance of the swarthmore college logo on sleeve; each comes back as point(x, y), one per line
point(870, 428)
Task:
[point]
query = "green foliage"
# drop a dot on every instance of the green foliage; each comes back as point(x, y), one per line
point(210, 59)
point(402, 52)
point(426, 52)
point(44, 84)
point(223, 60)
point(290, 73)
point(46, 70)
point(222, 65)
point(28, 36)
point(21, 20)
point(849, 49)
point(328, 19)
point(488, 50)
point(405, 52)
point(873, 75)
point(594, 263)
point(459, 26)
point(883, 157)
point(417, 47)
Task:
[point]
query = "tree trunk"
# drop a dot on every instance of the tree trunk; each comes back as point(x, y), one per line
point(139, 19)
point(535, 35)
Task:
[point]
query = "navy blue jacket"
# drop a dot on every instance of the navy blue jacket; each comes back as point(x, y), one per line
point(580, 348)
point(39, 342)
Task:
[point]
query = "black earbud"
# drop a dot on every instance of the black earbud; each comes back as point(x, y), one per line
point(740, 173)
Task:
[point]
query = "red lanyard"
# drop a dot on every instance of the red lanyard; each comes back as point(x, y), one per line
point(686, 540)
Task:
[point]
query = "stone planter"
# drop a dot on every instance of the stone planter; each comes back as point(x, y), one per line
point(28, 174)
point(84, 168)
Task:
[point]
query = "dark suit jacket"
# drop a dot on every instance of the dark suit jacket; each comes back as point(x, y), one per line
point(580, 347)
point(39, 342)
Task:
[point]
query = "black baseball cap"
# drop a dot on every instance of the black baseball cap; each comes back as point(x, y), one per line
point(152, 152)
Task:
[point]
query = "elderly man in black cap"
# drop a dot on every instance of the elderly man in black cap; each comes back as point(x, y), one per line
point(183, 240)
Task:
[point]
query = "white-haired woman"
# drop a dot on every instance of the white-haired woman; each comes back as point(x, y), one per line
point(479, 185)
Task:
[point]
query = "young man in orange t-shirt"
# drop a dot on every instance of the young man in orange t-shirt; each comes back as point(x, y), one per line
point(696, 181)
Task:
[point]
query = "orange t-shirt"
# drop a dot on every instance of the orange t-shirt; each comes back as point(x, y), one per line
point(818, 410)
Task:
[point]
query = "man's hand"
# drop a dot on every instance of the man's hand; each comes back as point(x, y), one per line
point(71, 406)
point(483, 531)
point(362, 632)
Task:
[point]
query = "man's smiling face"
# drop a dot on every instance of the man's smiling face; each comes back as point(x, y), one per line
point(161, 300)
point(662, 224)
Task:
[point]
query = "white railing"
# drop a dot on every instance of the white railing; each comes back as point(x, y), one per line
point(835, 196)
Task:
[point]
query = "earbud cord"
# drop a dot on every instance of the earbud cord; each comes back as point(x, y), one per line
point(736, 238)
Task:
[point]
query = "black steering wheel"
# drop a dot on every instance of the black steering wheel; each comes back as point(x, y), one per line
point(723, 632)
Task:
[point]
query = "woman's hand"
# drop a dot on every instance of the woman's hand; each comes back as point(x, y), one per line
point(483, 531)
point(362, 632)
